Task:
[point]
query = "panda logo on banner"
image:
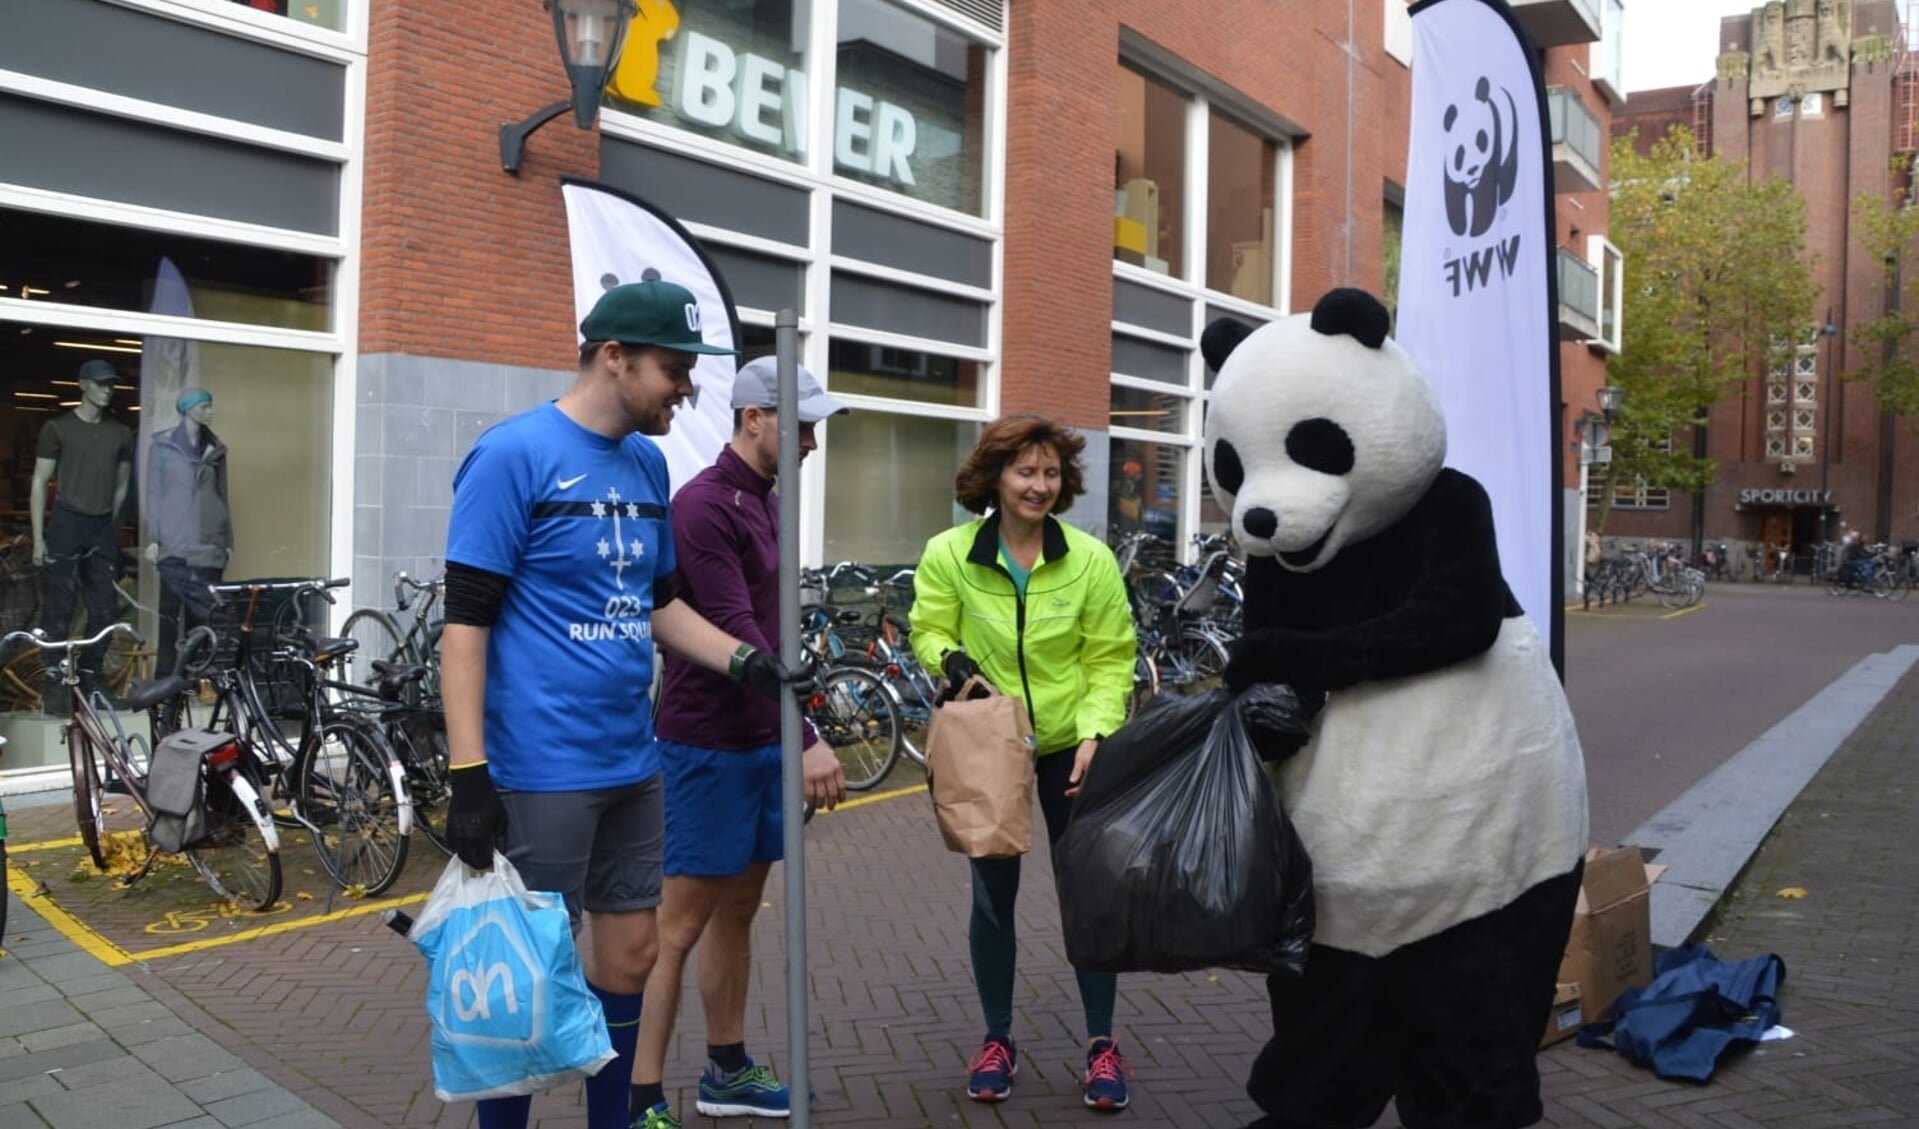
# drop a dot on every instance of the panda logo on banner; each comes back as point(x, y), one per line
point(1482, 158)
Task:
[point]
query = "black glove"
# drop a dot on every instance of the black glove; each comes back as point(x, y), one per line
point(1277, 718)
point(1262, 656)
point(761, 671)
point(475, 818)
point(959, 668)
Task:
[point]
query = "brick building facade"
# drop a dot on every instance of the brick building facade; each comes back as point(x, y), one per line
point(977, 207)
point(1820, 94)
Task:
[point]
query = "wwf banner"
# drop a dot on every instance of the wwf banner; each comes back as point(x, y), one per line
point(617, 238)
point(1476, 284)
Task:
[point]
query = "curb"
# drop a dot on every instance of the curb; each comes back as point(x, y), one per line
point(1707, 835)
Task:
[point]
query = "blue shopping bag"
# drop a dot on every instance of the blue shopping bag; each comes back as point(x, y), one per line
point(510, 1007)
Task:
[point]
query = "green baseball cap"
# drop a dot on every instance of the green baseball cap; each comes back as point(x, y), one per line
point(649, 313)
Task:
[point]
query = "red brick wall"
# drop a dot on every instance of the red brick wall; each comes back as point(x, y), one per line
point(461, 260)
point(1063, 64)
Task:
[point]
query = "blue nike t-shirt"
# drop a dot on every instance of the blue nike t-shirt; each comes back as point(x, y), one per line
point(578, 522)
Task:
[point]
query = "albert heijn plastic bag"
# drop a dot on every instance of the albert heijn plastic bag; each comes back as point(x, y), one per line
point(510, 1007)
point(1178, 855)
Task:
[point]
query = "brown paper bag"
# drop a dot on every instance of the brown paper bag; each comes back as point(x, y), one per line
point(979, 768)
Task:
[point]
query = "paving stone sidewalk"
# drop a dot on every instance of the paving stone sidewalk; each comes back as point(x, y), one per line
point(84, 1046)
point(332, 1013)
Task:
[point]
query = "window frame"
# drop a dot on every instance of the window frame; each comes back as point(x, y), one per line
point(1204, 96)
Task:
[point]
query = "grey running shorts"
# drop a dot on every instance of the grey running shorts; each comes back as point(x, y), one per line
point(598, 849)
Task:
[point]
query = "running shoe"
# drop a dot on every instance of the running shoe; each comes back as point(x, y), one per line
point(1105, 1079)
point(751, 1091)
point(991, 1073)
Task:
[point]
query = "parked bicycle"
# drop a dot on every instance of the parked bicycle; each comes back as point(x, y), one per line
point(237, 852)
point(381, 638)
point(331, 770)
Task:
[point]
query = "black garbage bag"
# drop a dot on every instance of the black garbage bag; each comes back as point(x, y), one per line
point(1178, 856)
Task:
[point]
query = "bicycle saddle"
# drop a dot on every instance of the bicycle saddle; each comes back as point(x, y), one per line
point(145, 693)
point(396, 677)
point(327, 647)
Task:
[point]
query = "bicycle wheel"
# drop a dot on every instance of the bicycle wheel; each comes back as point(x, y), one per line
point(234, 858)
point(379, 638)
point(1145, 684)
point(853, 713)
point(343, 790)
point(1901, 586)
point(421, 743)
point(1192, 663)
point(87, 813)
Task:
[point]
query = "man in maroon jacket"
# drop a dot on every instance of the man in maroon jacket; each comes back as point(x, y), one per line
point(720, 754)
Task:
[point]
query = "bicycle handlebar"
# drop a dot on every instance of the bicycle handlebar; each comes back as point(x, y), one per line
point(248, 587)
point(39, 638)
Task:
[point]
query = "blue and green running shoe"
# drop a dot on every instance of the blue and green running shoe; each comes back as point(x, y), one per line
point(659, 1117)
point(751, 1091)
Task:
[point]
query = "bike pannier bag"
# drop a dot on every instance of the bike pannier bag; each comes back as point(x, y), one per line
point(176, 787)
point(509, 1003)
point(979, 769)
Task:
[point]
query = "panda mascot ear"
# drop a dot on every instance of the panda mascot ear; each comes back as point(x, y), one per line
point(1220, 339)
point(1355, 313)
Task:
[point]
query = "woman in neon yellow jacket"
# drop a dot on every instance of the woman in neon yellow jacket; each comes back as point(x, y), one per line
point(1038, 607)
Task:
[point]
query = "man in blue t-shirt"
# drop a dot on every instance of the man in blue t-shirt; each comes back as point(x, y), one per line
point(560, 574)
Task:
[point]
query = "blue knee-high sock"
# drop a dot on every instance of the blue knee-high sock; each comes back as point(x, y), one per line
point(606, 1094)
point(505, 1113)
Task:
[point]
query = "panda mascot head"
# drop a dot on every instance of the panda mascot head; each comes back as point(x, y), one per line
point(1321, 431)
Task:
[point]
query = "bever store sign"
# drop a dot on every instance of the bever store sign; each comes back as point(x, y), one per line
point(1752, 497)
point(765, 102)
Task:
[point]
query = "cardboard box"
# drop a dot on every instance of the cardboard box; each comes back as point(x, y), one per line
point(1565, 1017)
point(1610, 949)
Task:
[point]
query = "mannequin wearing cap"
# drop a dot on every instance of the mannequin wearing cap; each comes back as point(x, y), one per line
point(720, 754)
point(88, 460)
point(189, 528)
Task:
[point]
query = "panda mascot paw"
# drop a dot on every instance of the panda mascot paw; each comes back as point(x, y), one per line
point(1441, 793)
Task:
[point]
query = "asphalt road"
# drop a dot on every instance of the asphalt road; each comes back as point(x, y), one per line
point(1663, 701)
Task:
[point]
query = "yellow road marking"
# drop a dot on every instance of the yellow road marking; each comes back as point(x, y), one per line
point(876, 798)
point(1685, 611)
point(276, 927)
point(73, 929)
point(24, 887)
point(44, 845)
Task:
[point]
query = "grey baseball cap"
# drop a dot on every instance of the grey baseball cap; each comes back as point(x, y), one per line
point(757, 385)
point(100, 372)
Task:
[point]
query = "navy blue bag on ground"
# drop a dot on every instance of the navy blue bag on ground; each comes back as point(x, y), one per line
point(1696, 1009)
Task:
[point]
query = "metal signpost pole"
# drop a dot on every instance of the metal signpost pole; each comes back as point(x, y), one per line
point(787, 354)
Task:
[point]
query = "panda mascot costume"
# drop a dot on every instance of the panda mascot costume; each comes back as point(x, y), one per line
point(1441, 794)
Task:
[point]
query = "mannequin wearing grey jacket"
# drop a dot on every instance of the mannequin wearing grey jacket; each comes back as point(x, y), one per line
point(189, 529)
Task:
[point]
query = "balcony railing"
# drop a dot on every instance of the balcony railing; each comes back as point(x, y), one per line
point(1559, 23)
point(1578, 298)
point(1577, 144)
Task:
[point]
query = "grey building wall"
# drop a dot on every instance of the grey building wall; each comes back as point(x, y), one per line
point(416, 419)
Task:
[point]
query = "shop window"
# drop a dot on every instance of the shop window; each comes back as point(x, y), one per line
point(910, 111)
point(902, 374)
point(1145, 492)
point(891, 483)
point(1148, 409)
point(81, 263)
point(1149, 175)
point(735, 71)
point(330, 14)
point(1240, 170)
point(265, 415)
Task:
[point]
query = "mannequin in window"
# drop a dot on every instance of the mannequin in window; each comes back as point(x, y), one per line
point(88, 460)
point(189, 530)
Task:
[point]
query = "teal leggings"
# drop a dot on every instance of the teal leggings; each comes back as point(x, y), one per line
point(996, 888)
